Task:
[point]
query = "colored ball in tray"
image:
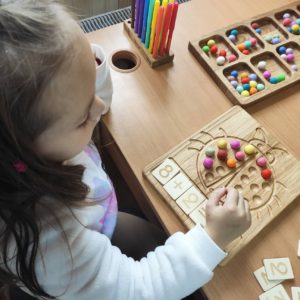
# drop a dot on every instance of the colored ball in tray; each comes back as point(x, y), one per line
point(220, 60)
point(210, 152)
point(240, 155)
point(222, 154)
point(262, 65)
point(261, 161)
point(235, 144)
point(231, 163)
point(250, 149)
point(208, 163)
point(266, 174)
point(222, 144)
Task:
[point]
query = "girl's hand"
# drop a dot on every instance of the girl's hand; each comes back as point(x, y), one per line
point(229, 220)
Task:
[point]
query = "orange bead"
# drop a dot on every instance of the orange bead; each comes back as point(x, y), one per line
point(244, 75)
point(231, 163)
point(241, 47)
point(253, 90)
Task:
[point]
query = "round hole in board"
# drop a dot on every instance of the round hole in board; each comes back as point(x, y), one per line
point(125, 61)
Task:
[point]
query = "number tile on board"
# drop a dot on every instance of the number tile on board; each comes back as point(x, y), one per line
point(198, 215)
point(178, 185)
point(165, 171)
point(190, 200)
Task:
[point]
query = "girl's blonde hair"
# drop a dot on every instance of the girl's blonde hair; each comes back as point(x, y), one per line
point(34, 44)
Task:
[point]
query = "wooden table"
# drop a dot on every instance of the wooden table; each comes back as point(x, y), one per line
point(155, 109)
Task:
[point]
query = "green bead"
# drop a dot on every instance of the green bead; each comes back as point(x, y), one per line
point(205, 49)
point(281, 77)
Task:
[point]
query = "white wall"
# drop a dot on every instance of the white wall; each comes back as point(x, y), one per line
point(87, 8)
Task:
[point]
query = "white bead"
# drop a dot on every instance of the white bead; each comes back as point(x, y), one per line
point(261, 65)
point(220, 60)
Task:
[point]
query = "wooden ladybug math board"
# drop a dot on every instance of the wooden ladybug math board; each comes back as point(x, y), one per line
point(184, 183)
point(263, 54)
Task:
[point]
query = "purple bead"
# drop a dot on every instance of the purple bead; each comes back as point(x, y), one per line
point(232, 38)
point(208, 163)
point(276, 41)
point(234, 83)
point(235, 144)
point(267, 74)
point(289, 51)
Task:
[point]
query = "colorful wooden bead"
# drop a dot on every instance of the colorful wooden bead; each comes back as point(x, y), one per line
point(210, 43)
point(210, 152)
point(231, 163)
point(261, 65)
point(250, 149)
point(266, 174)
point(235, 144)
point(240, 155)
point(222, 144)
point(222, 154)
point(260, 86)
point(220, 60)
point(261, 161)
point(214, 49)
point(205, 49)
point(245, 93)
point(232, 58)
point(208, 163)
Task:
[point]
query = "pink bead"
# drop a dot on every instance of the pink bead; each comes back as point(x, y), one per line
point(253, 41)
point(290, 57)
point(286, 22)
point(261, 162)
point(232, 58)
point(208, 163)
point(240, 155)
point(267, 74)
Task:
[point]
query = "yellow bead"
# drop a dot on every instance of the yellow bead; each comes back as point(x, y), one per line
point(250, 149)
point(245, 93)
point(222, 144)
point(210, 43)
point(253, 83)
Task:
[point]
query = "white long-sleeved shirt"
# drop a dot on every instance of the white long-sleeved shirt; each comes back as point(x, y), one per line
point(91, 268)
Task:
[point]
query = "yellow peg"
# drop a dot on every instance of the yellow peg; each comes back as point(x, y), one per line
point(153, 24)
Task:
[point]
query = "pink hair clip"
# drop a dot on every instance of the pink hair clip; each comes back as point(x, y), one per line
point(20, 166)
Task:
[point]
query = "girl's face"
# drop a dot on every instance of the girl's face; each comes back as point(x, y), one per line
point(70, 98)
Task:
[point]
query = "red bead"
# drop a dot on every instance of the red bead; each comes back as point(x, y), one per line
point(246, 51)
point(222, 53)
point(266, 174)
point(254, 25)
point(245, 80)
point(214, 49)
point(222, 154)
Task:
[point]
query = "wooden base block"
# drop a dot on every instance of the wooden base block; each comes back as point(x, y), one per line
point(161, 60)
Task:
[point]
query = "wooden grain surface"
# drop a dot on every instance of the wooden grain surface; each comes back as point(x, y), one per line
point(153, 110)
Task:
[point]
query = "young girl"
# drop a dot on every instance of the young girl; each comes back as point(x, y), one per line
point(57, 206)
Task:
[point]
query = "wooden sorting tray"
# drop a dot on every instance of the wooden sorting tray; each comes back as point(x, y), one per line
point(183, 182)
point(270, 24)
